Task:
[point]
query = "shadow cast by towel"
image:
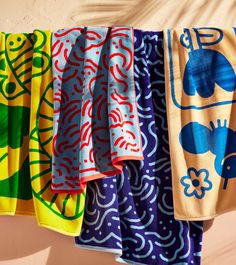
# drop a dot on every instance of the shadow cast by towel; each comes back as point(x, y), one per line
point(22, 233)
point(21, 237)
point(207, 225)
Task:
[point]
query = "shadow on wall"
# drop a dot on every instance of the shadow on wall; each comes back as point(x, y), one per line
point(23, 238)
point(157, 14)
point(129, 12)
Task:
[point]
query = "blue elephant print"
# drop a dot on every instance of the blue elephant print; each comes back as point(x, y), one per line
point(196, 138)
point(206, 67)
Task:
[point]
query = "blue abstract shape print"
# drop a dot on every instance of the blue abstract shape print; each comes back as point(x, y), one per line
point(196, 183)
point(196, 138)
point(206, 67)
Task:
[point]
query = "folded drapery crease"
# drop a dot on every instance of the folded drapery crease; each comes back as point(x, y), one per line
point(200, 85)
point(26, 126)
point(131, 214)
point(96, 124)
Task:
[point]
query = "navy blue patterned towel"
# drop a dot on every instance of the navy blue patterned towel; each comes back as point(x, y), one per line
point(131, 214)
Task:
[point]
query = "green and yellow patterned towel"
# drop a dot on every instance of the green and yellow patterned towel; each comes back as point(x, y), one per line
point(26, 115)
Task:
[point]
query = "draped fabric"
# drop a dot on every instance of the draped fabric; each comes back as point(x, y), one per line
point(15, 187)
point(96, 124)
point(83, 110)
point(131, 214)
point(200, 86)
point(26, 106)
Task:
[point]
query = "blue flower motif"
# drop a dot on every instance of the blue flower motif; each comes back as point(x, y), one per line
point(196, 183)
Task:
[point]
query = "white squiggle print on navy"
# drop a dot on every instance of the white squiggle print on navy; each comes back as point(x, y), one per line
point(139, 225)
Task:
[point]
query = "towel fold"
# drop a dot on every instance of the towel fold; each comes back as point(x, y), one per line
point(200, 68)
point(96, 124)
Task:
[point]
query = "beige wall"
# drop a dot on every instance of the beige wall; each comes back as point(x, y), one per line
point(21, 241)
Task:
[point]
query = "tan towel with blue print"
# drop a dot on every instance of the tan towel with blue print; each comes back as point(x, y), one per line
point(200, 66)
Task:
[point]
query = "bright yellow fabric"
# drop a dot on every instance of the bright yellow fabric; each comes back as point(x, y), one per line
point(61, 212)
point(26, 100)
point(200, 69)
point(15, 50)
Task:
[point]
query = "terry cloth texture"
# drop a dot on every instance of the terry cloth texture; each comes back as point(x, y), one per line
point(200, 89)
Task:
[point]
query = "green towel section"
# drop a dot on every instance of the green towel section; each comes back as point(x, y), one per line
point(14, 125)
point(18, 185)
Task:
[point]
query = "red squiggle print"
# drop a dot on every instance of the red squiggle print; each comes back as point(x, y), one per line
point(119, 80)
point(123, 102)
point(77, 132)
point(99, 112)
point(120, 72)
point(60, 146)
point(94, 33)
point(65, 167)
point(67, 113)
point(59, 49)
point(91, 155)
point(69, 77)
point(64, 94)
point(120, 96)
point(54, 145)
point(58, 35)
point(59, 171)
point(104, 61)
point(86, 104)
point(75, 101)
point(90, 110)
point(129, 51)
point(67, 159)
point(120, 124)
point(119, 35)
point(61, 70)
point(120, 29)
point(119, 55)
point(97, 118)
point(77, 57)
point(131, 133)
point(69, 129)
point(93, 80)
point(73, 115)
point(94, 64)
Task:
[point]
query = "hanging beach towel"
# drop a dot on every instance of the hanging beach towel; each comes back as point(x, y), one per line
point(131, 214)
point(200, 68)
point(26, 102)
point(15, 186)
point(96, 125)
